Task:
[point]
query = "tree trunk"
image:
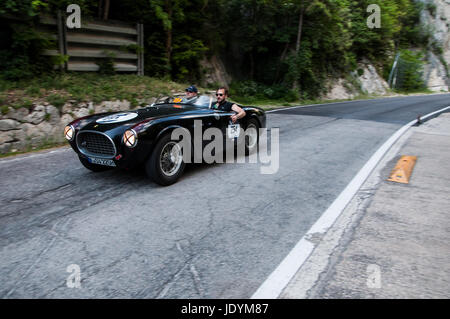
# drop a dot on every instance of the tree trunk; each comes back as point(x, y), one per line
point(169, 33)
point(296, 85)
point(282, 57)
point(299, 32)
point(106, 10)
point(100, 8)
point(103, 9)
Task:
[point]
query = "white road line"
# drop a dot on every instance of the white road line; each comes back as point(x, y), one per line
point(308, 105)
point(352, 101)
point(280, 277)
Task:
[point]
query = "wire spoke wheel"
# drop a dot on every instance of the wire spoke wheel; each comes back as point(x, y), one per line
point(171, 158)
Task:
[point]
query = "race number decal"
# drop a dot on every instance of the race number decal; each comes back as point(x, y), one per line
point(233, 130)
point(116, 118)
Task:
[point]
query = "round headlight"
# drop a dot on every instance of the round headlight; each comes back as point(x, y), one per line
point(130, 138)
point(69, 132)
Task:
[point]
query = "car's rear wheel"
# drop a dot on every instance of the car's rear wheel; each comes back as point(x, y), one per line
point(93, 167)
point(166, 164)
point(251, 137)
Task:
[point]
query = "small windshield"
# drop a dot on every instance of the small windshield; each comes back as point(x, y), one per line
point(203, 101)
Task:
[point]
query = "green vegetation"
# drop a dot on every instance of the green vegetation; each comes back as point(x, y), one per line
point(4, 109)
point(56, 100)
point(287, 50)
point(106, 65)
point(57, 89)
point(410, 70)
point(250, 92)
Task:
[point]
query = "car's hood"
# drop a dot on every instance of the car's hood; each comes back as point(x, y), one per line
point(118, 122)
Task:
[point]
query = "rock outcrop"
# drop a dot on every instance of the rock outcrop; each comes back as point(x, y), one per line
point(365, 80)
point(436, 18)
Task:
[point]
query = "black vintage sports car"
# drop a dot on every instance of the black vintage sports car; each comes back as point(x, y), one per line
point(143, 136)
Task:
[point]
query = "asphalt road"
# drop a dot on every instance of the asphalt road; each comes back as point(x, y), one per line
point(217, 233)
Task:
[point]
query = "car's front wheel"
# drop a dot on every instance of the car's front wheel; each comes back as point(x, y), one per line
point(93, 167)
point(166, 164)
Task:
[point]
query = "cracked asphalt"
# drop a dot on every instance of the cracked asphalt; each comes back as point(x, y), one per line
point(217, 233)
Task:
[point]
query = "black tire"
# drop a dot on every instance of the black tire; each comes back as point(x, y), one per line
point(250, 149)
point(158, 166)
point(93, 167)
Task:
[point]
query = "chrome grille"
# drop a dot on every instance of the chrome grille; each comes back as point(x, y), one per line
point(95, 144)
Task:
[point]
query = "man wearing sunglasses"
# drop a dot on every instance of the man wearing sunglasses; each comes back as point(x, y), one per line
point(223, 105)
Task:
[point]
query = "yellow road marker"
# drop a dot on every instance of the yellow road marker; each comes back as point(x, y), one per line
point(402, 171)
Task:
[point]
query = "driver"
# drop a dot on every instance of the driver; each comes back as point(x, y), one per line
point(191, 94)
point(223, 105)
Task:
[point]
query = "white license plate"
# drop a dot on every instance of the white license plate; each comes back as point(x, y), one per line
point(101, 161)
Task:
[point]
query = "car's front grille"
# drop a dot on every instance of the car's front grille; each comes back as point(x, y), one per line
point(95, 144)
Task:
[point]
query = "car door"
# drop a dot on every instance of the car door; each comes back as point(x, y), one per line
point(224, 123)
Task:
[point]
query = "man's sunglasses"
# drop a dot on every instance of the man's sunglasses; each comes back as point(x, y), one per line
point(219, 94)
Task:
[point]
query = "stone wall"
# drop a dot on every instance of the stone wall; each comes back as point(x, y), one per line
point(22, 129)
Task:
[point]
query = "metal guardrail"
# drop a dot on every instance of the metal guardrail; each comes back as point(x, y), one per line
point(96, 40)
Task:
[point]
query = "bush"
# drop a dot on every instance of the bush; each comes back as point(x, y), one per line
point(410, 71)
point(56, 100)
point(26, 103)
point(106, 65)
point(23, 59)
point(4, 109)
point(252, 91)
point(431, 7)
point(33, 91)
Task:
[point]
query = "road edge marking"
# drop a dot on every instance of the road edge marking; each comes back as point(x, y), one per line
point(350, 101)
point(278, 280)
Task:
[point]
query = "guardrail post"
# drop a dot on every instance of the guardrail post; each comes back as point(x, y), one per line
point(62, 40)
point(140, 41)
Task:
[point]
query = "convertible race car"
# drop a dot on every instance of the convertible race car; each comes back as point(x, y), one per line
point(143, 136)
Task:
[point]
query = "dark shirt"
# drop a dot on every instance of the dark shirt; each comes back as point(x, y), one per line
point(224, 106)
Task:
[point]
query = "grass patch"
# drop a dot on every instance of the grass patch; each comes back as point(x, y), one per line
point(4, 109)
point(33, 91)
point(58, 88)
point(417, 91)
point(56, 100)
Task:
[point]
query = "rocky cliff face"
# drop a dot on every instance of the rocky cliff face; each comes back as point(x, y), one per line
point(365, 81)
point(436, 19)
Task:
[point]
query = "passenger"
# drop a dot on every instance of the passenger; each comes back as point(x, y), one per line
point(223, 105)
